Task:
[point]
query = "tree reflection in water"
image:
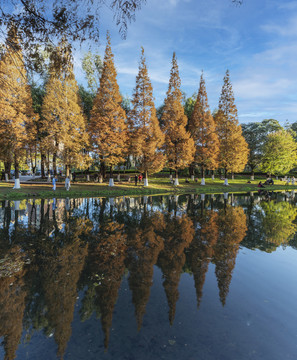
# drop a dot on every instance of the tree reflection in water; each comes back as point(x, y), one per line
point(50, 250)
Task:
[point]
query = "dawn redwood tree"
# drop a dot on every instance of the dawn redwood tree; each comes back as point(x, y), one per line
point(16, 110)
point(203, 131)
point(279, 153)
point(63, 122)
point(233, 147)
point(108, 127)
point(179, 146)
point(146, 137)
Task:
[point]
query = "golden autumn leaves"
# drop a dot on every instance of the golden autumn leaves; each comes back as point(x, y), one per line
point(114, 134)
point(180, 141)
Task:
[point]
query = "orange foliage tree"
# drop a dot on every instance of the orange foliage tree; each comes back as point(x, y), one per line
point(108, 127)
point(16, 110)
point(146, 137)
point(233, 147)
point(203, 130)
point(179, 146)
point(63, 125)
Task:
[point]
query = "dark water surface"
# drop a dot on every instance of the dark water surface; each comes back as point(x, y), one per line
point(189, 277)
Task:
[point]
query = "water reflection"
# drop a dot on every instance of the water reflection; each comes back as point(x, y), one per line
point(53, 250)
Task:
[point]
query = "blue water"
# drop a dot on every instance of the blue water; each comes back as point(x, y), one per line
point(246, 312)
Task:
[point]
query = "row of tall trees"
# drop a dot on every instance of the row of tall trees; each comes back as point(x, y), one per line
point(62, 131)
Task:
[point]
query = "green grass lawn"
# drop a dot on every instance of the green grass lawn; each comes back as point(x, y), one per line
point(157, 186)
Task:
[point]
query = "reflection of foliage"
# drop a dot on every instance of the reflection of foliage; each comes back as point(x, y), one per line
point(202, 249)
point(146, 245)
point(178, 235)
point(277, 221)
point(106, 268)
point(61, 269)
point(232, 230)
point(128, 234)
point(12, 305)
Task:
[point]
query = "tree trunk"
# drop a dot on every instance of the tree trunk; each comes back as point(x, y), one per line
point(55, 163)
point(102, 167)
point(145, 180)
point(7, 167)
point(202, 175)
point(212, 175)
point(67, 170)
point(176, 178)
point(226, 178)
point(42, 165)
point(111, 182)
point(16, 174)
point(232, 175)
point(252, 175)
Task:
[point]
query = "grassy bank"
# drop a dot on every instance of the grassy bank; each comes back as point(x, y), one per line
point(156, 187)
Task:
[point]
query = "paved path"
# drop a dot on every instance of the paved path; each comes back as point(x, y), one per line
point(24, 178)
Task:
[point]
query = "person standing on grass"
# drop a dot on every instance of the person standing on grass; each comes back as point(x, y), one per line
point(136, 179)
point(67, 183)
point(54, 183)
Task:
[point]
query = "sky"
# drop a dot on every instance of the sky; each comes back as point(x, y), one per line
point(255, 41)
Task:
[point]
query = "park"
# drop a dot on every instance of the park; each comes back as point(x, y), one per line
point(148, 160)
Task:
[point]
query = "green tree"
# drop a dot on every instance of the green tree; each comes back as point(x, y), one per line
point(92, 66)
point(146, 137)
point(87, 99)
point(255, 135)
point(108, 127)
point(189, 105)
point(179, 146)
point(279, 153)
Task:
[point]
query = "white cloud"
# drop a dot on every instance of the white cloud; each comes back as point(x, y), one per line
point(286, 28)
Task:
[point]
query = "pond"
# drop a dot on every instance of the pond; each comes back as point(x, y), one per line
point(167, 277)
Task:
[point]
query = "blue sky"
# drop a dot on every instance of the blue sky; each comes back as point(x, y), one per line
point(255, 41)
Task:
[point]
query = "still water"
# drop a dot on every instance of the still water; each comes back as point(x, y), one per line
point(188, 277)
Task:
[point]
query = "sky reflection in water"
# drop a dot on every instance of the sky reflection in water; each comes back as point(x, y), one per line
point(186, 277)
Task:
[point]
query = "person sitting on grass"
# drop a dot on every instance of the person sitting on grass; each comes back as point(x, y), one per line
point(187, 181)
point(269, 181)
point(260, 185)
